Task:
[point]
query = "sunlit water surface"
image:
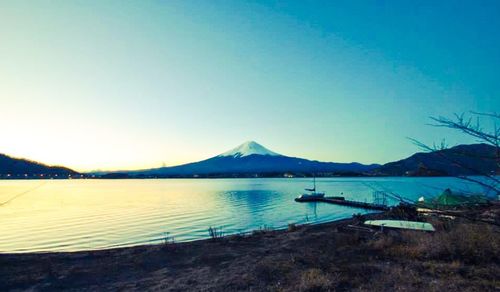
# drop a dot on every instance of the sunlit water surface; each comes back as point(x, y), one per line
point(70, 215)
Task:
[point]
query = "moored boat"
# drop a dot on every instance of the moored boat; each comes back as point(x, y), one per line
point(313, 194)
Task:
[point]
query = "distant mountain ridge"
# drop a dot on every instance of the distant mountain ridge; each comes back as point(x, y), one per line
point(10, 166)
point(253, 158)
point(473, 159)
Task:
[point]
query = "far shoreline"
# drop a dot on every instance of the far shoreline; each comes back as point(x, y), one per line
point(229, 177)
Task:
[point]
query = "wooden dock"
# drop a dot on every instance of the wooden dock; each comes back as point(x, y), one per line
point(349, 203)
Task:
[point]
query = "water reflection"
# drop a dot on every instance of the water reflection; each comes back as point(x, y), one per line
point(89, 214)
point(251, 199)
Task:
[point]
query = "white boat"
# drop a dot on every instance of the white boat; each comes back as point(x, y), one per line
point(313, 194)
point(401, 224)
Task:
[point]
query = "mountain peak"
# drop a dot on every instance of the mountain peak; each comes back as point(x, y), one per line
point(249, 148)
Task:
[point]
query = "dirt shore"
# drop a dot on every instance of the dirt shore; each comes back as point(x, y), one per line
point(461, 255)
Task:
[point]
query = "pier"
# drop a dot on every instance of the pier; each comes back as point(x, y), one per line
point(336, 201)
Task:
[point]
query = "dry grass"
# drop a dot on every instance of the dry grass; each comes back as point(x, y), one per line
point(292, 227)
point(263, 230)
point(466, 242)
point(273, 269)
point(459, 256)
point(317, 280)
point(215, 233)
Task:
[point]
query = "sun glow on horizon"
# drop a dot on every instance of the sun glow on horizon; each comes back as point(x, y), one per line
point(114, 85)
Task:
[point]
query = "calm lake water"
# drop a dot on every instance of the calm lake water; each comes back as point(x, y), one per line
point(70, 215)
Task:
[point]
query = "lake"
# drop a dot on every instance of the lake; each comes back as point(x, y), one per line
point(71, 215)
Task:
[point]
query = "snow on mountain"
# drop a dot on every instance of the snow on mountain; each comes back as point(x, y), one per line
point(249, 148)
point(249, 159)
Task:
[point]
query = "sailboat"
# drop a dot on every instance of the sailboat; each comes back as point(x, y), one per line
point(313, 194)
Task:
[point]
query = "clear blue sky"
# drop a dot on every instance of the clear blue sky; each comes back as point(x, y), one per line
point(134, 84)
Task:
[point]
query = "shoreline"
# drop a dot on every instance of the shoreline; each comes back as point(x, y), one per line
point(201, 240)
point(43, 265)
point(316, 257)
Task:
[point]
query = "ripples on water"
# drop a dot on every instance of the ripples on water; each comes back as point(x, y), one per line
point(69, 215)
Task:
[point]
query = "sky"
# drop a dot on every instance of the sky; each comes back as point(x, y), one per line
point(139, 84)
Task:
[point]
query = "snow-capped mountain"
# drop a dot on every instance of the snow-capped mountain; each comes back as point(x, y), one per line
point(249, 159)
point(249, 148)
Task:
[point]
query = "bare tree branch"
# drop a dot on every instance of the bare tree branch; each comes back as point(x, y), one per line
point(474, 129)
point(467, 127)
point(492, 115)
